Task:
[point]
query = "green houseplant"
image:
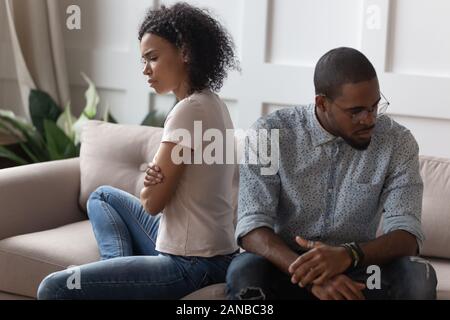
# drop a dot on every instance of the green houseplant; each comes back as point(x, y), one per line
point(53, 134)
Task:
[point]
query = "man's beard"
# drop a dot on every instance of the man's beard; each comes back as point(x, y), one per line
point(360, 146)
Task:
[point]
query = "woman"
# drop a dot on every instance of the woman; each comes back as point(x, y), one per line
point(147, 255)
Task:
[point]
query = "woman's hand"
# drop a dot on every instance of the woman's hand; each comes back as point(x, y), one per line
point(153, 175)
point(159, 188)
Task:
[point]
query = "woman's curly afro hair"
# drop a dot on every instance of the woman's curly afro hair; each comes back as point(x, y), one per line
point(208, 46)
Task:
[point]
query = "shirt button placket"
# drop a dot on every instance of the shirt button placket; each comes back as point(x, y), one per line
point(332, 179)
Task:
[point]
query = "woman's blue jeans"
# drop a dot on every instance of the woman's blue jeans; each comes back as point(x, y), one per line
point(131, 268)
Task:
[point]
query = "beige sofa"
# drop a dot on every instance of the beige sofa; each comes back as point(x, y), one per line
point(43, 226)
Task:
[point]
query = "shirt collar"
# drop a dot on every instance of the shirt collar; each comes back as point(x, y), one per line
point(319, 135)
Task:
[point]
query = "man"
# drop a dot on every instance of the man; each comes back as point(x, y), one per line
point(309, 231)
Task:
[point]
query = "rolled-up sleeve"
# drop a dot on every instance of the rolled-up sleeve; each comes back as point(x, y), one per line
point(404, 190)
point(258, 195)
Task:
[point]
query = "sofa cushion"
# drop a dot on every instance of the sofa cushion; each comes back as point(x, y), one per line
point(442, 268)
point(27, 259)
point(115, 155)
point(8, 296)
point(435, 173)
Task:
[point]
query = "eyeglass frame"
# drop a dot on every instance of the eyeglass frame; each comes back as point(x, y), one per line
point(361, 115)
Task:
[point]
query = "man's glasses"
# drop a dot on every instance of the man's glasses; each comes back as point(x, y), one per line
point(359, 114)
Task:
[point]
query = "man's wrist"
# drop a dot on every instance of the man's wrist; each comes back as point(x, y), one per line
point(355, 253)
point(346, 257)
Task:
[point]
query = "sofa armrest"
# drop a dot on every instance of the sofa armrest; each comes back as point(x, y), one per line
point(39, 196)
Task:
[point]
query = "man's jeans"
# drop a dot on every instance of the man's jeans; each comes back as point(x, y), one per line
point(131, 268)
point(253, 277)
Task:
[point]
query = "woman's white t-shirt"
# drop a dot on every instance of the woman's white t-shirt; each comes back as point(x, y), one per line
point(199, 220)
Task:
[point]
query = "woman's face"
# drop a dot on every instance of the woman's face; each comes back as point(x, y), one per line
point(164, 65)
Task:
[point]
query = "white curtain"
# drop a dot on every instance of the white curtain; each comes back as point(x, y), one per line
point(38, 46)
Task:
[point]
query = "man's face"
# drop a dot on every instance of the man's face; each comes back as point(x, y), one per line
point(347, 114)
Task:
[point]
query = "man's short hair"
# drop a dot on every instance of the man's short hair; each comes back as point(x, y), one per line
point(341, 66)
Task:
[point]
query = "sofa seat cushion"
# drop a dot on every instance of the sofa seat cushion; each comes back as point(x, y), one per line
point(27, 259)
point(442, 267)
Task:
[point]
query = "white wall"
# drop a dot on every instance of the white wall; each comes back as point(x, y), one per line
point(107, 50)
point(279, 42)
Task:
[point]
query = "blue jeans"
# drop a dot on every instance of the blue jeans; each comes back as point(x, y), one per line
point(131, 268)
point(253, 277)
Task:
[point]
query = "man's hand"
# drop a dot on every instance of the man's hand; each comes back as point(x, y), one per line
point(153, 175)
point(340, 287)
point(319, 264)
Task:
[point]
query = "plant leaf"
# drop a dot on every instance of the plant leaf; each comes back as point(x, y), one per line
point(77, 149)
point(34, 141)
point(7, 138)
point(58, 144)
point(42, 107)
point(65, 122)
point(13, 125)
point(92, 99)
point(5, 153)
point(154, 119)
point(9, 134)
point(111, 118)
point(78, 127)
point(30, 154)
point(107, 116)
